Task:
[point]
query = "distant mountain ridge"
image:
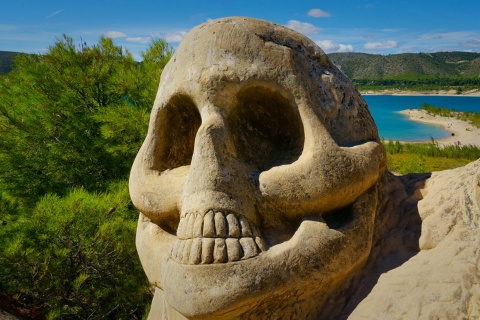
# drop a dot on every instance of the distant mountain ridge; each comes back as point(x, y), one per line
point(374, 66)
point(358, 65)
point(6, 61)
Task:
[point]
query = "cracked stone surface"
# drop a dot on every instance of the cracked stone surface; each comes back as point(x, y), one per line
point(263, 193)
point(257, 181)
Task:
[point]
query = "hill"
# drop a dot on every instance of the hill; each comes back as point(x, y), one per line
point(358, 65)
point(439, 64)
point(6, 61)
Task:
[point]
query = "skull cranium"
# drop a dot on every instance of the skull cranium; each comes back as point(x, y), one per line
point(257, 176)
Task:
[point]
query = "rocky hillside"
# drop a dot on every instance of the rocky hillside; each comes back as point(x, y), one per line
point(442, 64)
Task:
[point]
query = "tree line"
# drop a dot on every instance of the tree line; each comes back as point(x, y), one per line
point(419, 83)
point(71, 123)
point(439, 64)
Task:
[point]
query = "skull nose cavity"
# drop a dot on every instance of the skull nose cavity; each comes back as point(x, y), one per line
point(215, 237)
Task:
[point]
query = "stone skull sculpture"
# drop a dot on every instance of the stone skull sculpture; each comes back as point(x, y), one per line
point(256, 182)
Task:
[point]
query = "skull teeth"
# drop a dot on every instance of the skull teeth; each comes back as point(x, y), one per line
point(214, 225)
point(215, 238)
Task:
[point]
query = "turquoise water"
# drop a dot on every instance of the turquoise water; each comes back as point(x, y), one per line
point(394, 126)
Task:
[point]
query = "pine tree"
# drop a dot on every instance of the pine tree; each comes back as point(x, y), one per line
point(74, 116)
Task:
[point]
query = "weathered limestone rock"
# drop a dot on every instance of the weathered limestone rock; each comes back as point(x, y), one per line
point(442, 279)
point(425, 259)
point(263, 193)
point(257, 179)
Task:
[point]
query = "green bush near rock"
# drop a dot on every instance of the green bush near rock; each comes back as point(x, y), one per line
point(71, 123)
point(427, 157)
point(74, 256)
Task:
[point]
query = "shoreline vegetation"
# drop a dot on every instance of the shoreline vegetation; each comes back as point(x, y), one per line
point(451, 92)
point(462, 147)
point(462, 132)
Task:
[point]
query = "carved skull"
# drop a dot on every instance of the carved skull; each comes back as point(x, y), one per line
point(257, 179)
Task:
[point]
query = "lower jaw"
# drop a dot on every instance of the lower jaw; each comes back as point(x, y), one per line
point(216, 289)
point(307, 266)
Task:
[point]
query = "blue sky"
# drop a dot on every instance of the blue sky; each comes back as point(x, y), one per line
point(382, 27)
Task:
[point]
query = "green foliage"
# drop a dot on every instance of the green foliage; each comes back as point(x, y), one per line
point(71, 123)
point(437, 111)
point(412, 164)
point(408, 65)
point(393, 147)
point(471, 117)
point(74, 257)
point(67, 116)
point(426, 157)
point(407, 82)
point(432, 149)
point(404, 163)
point(411, 71)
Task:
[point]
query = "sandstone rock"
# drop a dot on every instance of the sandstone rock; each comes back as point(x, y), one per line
point(257, 179)
point(263, 193)
point(441, 280)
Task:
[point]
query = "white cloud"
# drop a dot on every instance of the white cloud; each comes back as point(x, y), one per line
point(409, 50)
point(435, 42)
point(369, 36)
point(53, 14)
point(139, 39)
point(4, 27)
point(470, 43)
point(389, 30)
point(380, 45)
point(317, 13)
point(302, 27)
point(330, 47)
point(346, 48)
point(449, 36)
point(176, 36)
point(115, 34)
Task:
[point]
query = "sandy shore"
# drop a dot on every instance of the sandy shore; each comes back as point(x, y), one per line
point(463, 132)
point(471, 93)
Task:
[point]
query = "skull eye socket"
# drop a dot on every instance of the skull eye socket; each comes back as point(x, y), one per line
point(179, 121)
point(266, 129)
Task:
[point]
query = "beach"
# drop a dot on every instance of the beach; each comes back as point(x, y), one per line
point(463, 133)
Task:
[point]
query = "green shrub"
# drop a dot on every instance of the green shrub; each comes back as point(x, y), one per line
point(71, 123)
point(426, 157)
point(471, 117)
point(72, 118)
point(75, 257)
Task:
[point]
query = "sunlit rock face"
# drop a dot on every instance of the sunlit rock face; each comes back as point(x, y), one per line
point(257, 181)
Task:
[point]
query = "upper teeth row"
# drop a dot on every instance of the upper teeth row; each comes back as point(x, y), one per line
point(215, 238)
point(214, 225)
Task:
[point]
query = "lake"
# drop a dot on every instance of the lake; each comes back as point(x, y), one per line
point(394, 126)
